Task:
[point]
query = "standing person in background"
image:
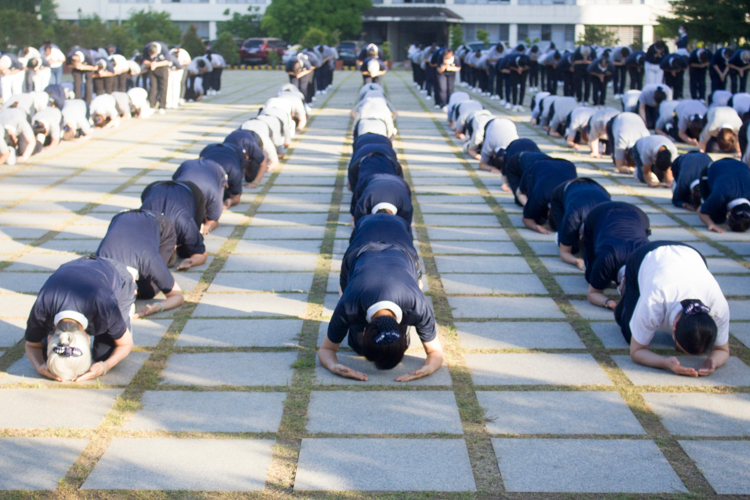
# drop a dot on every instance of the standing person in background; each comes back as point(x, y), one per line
point(52, 54)
point(218, 64)
point(635, 63)
point(417, 72)
point(325, 70)
point(674, 66)
point(655, 53)
point(565, 69)
point(699, 61)
point(156, 61)
point(582, 59)
point(315, 63)
point(11, 75)
point(298, 68)
point(493, 83)
point(446, 76)
point(619, 56)
point(534, 68)
point(104, 76)
point(122, 72)
point(719, 69)
point(600, 73)
point(82, 65)
point(682, 43)
point(184, 59)
point(739, 65)
point(549, 63)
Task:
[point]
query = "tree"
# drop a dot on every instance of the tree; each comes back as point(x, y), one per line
point(93, 32)
point(291, 19)
point(484, 36)
point(456, 36)
point(192, 42)
point(597, 35)
point(719, 21)
point(18, 5)
point(313, 37)
point(19, 29)
point(146, 26)
point(225, 46)
point(241, 25)
point(47, 10)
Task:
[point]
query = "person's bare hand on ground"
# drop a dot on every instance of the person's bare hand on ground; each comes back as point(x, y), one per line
point(347, 372)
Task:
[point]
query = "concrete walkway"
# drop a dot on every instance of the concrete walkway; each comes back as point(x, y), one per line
point(538, 395)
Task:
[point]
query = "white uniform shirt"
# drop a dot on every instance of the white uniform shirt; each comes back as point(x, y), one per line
point(56, 57)
point(717, 118)
point(666, 113)
point(51, 118)
point(627, 129)
point(630, 100)
point(741, 102)
point(648, 91)
point(478, 121)
point(464, 111)
point(120, 64)
point(720, 98)
point(266, 142)
point(105, 105)
point(217, 61)
point(74, 115)
point(579, 118)
point(686, 110)
point(599, 122)
point(664, 283)
point(538, 97)
point(500, 132)
point(648, 148)
point(563, 107)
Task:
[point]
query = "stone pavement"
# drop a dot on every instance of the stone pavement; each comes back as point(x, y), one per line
point(537, 396)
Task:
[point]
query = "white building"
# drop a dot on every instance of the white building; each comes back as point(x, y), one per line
point(203, 13)
point(403, 22)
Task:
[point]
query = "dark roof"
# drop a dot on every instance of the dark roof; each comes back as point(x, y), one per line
point(410, 14)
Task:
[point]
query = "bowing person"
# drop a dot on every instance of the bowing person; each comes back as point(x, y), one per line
point(537, 185)
point(653, 157)
point(577, 127)
point(88, 297)
point(46, 124)
point(498, 134)
point(253, 157)
point(657, 294)
point(597, 130)
point(145, 242)
point(687, 170)
point(211, 179)
point(233, 161)
point(511, 165)
point(725, 189)
point(369, 166)
point(570, 205)
point(623, 132)
point(720, 132)
point(611, 232)
point(649, 100)
point(384, 193)
point(366, 150)
point(381, 300)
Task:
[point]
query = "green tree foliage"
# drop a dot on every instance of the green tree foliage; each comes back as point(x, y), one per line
point(226, 46)
point(93, 32)
point(241, 25)
point(313, 37)
point(386, 46)
point(146, 26)
point(597, 35)
point(18, 5)
point(291, 19)
point(715, 21)
point(456, 36)
point(47, 10)
point(484, 36)
point(192, 42)
point(19, 29)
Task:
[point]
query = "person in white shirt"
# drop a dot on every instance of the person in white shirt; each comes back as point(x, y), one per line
point(139, 101)
point(37, 75)
point(104, 112)
point(198, 68)
point(184, 59)
point(659, 295)
point(121, 68)
point(75, 123)
point(597, 129)
point(217, 64)
point(498, 133)
point(264, 132)
point(52, 54)
point(12, 75)
point(720, 133)
point(18, 132)
point(46, 125)
point(653, 157)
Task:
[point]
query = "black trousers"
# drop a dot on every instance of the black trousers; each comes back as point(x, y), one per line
point(551, 79)
point(78, 78)
point(301, 84)
point(582, 82)
point(738, 83)
point(636, 77)
point(677, 82)
point(698, 83)
point(631, 293)
point(481, 79)
point(534, 74)
point(183, 83)
point(121, 81)
point(104, 85)
point(619, 79)
point(216, 78)
point(419, 75)
point(446, 84)
point(517, 87)
point(652, 115)
point(567, 78)
point(599, 89)
point(716, 82)
point(158, 86)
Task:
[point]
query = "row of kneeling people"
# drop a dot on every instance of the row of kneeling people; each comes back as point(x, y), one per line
point(722, 127)
point(380, 284)
point(79, 326)
point(612, 240)
point(35, 121)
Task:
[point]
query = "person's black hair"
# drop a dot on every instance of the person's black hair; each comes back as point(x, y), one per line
point(552, 46)
point(604, 62)
point(384, 342)
point(100, 120)
point(726, 139)
point(557, 56)
point(629, 159)
point(746, 116)
point(521, 47)
point(728, 53)
point(624, 52)
point(523, 61)
point(39, 128)
point(704, 56)
point(68, 325)
point(663, 161)
point(585, 134)
point(659, 96)
point(497, 159)
point(678, 63)
point(534, 49)
point(200, 63)
point(739, 218)
point(695, 127)
point(695, 196)
point(695, 332)
point(47, 42)
point(660, 45)
point(499, 47)
point(372, 52)
point(153, 48)
point(33, 63)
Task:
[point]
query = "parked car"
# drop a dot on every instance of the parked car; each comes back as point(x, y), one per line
point(256, 50)
point(349, 50)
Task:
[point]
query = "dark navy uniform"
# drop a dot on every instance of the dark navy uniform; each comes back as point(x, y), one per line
point(686, 170)
point(538, 183)
point(232, 160)
point(381, 189)
point(210, 179)
point(570, 205)
point(368, 151)
point(251, 146)
point(184, 205)
point(726, 180)
point(369, 166)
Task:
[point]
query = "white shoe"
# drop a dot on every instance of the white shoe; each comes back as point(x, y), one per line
point(494, 98)
point(508, 106)
point(162, 111)
point(584, 104)
point(502, 101)
point(444, 109)
point(423, 91)
point(429, 97)
point(12, 157)
point(218, 92)
point(182, 101)
point(314, 99)
point(437, 106)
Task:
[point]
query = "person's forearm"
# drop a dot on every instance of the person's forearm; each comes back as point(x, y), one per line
point(719, 356)
point(647, 358)
point(594, 145)
point(34, 353)
point(194, 260)
point(4, 157)
point(531, 224)
point(597, 298)
point(566, 255)
point(686, 139)
point(28, 149)
point(209, 226)
point(553, 132)
point(119, 353)
point(571, 142)
point(433, 362)
point(706, 219)
point(328, 359)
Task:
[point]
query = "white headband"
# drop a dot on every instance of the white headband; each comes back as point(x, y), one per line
point(695, 183)
point(384, 304)
point(384, 205)
point(738, 201)
point(80, 55)
point(74, 315)
point(727, 125)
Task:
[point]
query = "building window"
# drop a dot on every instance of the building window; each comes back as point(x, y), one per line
point(546, 2)
point(546, 32)
point(501, 2)
point(498, 32)
point(417, 1)
point(570, 32)
point(131, 1)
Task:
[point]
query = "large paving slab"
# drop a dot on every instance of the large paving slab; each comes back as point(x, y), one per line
point(492, 284)
point(535, 369)
point(251, 304)
point(725, 464)
point(336, 464)
point(23, 372)
point(182, 464)
point(230, 368)
point(209, 411)
point(383, 412)
point(505, 307)
point(240, 333)
point(733, 373)
point(585, 466)
point(36, 463)
point(709, 415)
point(61, 408)
point(413, 360)
point(517, 335)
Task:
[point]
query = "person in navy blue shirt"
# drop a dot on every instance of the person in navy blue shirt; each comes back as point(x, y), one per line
point(582, 59)
point(56, 96)
point(370, 139)
point(508, 161)
point(517, 66)
point(674, 66)
point(699, 61)
point(739, 65)
point(369, 166)
point(83, 65)
point(211, 180)
point(255, 163)
point(611, 232)
point(379, 228)
point(232, 160)
point(370, 50)
point(516, 165)
point(156, 61)
point(536, 188)
point(145, 242)
point(90, 295)
point(184, 205)
point(365, 151)
point(719, 69)
point(600, 73)
point(570, 204)
point(381, 300)
point(384, 193)
point(635, 63)
point(565, 70)
point(373, 69)
point(687, 170)
point(725, 189)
